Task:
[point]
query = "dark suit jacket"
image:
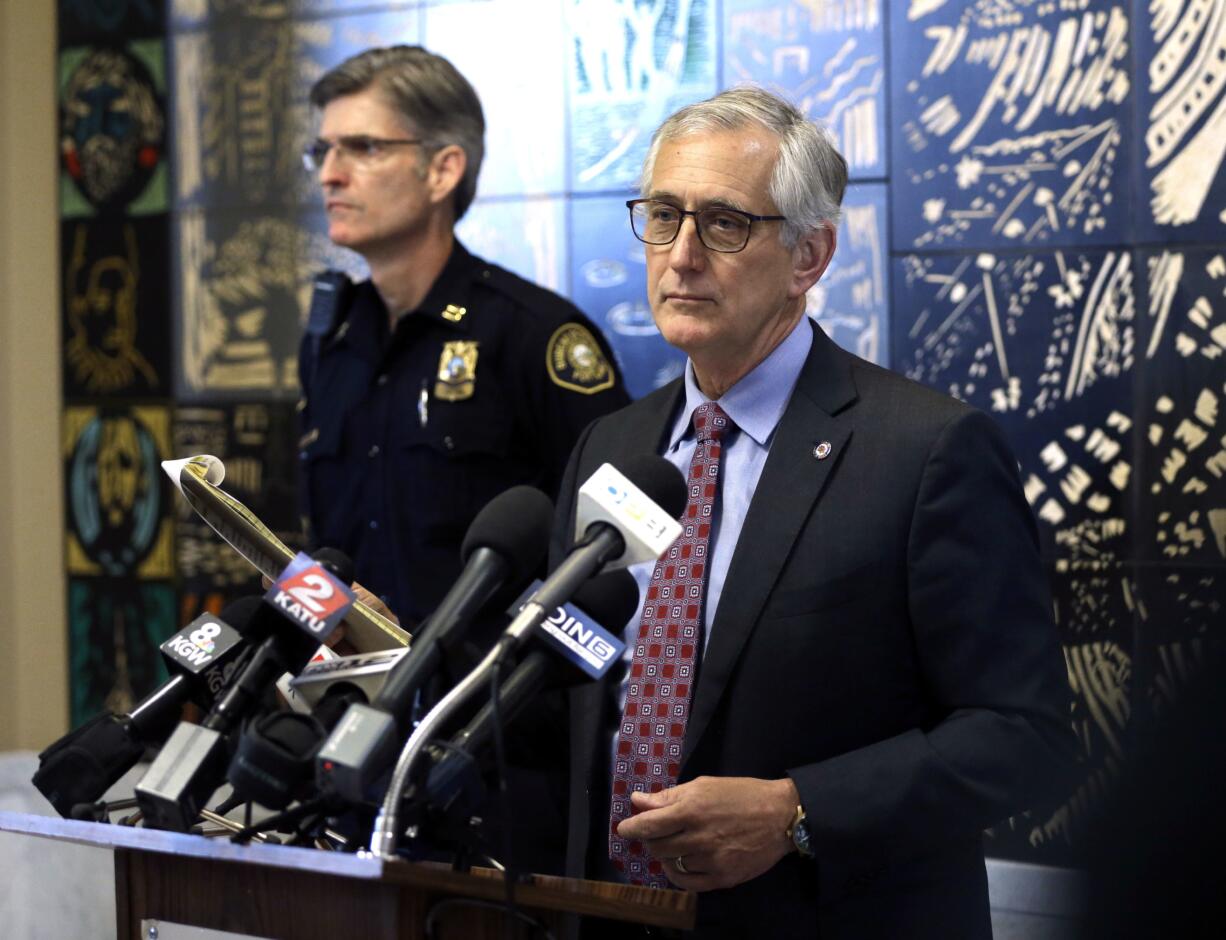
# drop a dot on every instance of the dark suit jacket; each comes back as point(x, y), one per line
point(884, 637)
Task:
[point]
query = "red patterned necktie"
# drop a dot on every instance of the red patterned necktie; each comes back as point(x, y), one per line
point(661, 673)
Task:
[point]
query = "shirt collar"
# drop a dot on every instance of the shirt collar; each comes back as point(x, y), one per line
point(366, 328)
point(755, 403)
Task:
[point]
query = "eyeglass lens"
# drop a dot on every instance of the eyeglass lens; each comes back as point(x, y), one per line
point(658, 223)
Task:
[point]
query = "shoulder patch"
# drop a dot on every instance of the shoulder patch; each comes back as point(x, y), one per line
point(574, 360)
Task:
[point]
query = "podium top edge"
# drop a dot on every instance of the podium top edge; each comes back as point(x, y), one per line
point(110, 836)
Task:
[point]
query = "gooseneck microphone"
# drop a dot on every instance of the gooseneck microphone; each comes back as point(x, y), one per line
point(454, 787)
point(505, 544)
point(81, 766)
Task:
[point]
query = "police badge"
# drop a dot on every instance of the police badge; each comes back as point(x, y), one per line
point(457, 371)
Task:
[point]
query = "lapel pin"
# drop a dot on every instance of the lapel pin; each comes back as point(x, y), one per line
point(822, 450)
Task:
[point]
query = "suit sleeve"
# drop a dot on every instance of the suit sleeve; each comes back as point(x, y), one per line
point(987, 651)
point(564, 518)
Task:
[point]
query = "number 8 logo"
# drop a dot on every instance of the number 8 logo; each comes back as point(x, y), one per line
point(203, 636)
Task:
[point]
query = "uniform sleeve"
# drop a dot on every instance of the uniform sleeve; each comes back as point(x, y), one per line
point(306, 367)
point(989, 654)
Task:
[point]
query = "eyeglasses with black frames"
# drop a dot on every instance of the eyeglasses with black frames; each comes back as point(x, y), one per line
point(656, 222)
point(359, 148)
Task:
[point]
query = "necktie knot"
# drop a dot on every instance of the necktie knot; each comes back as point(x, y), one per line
point(710, 422)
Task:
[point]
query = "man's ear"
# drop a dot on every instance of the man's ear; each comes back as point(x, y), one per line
point(445, 172)
point(810, 256)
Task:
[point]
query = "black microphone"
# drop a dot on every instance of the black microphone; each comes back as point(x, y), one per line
point(298, 612)
point(274, 761)
point(81, 766)
point(505, 543)
point(283, 649)
point(609, 598)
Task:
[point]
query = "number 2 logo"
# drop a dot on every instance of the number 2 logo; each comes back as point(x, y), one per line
point(311, 591)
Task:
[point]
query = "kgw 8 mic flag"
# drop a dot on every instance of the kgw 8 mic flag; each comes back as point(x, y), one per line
point(201, 658)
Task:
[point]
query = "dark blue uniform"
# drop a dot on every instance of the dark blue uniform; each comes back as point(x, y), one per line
point(407, 433)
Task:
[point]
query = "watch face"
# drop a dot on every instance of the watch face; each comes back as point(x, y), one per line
point(801, 838)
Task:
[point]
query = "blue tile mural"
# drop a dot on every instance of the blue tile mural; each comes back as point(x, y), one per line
point(1011, 125)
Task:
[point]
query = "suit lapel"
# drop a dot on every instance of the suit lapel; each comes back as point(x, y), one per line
point(791, 482)
point(648, 420)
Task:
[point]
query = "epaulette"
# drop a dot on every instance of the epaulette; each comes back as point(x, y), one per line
point(532, 297)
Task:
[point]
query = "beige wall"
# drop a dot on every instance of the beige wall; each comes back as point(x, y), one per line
point(33, 635)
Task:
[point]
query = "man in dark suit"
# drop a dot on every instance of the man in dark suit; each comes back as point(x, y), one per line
point(874, 675)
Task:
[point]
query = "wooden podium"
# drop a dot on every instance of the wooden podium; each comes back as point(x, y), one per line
point(276, 892)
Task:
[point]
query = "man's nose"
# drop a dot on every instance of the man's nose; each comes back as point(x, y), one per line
point(687, 250)
point(334, 170)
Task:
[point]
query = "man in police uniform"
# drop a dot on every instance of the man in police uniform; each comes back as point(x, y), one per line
point(443, 380)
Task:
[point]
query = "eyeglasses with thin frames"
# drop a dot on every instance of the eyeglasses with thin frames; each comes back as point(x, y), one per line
point(359, 148)
point(655, 222)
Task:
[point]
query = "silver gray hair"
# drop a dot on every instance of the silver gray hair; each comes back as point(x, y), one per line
point(810, 175)
point(437, 101)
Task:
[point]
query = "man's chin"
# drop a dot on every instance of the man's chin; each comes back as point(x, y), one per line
point(344, 237)
point(687, 333)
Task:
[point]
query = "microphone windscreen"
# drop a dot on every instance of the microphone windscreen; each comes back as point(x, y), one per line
point(241, 611)
point(515, 524)
point(336, 562)
point(610, 599)
point(659, 480)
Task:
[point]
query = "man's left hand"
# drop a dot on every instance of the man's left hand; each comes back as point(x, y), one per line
point(725, 830)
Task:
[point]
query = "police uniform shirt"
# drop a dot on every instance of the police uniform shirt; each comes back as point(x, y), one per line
point(409, 432)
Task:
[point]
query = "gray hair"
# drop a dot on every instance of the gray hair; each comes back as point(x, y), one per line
point(810, 175)
point(436, 100)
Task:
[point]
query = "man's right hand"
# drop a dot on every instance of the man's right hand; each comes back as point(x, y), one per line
point(374, 602)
